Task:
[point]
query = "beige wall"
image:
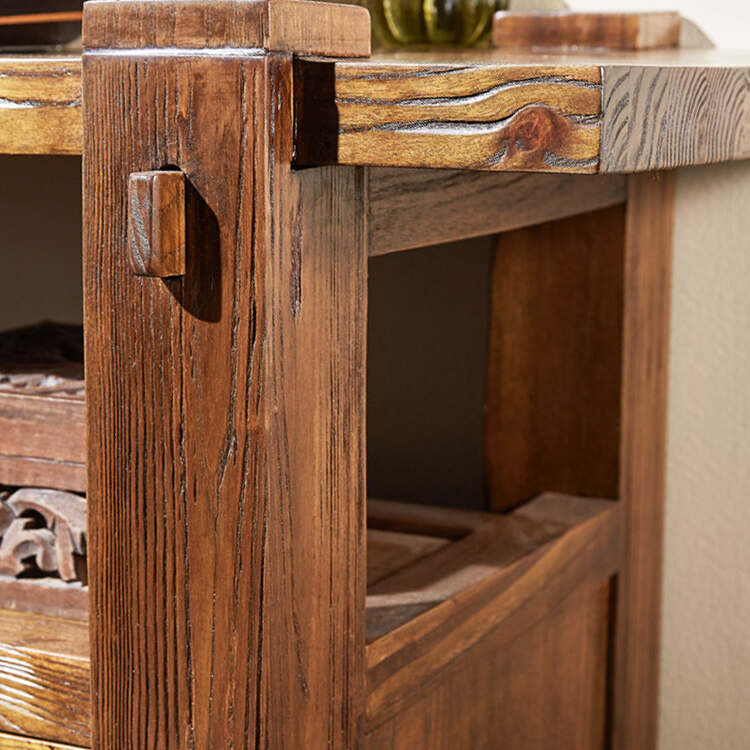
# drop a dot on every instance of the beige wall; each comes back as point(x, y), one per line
point(705, 688)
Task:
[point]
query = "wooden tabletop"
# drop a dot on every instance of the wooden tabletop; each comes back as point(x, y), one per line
point(475, 109)
point(504, 110)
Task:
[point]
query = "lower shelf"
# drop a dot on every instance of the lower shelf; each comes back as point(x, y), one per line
point(442, 583)
point(42, 422)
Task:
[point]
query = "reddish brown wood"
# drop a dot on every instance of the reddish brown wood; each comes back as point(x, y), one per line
point(483, 599)
point(226, 482)
point(647, 283)
point(156, 223)
point(602, 31)
point(553, 388)
point(42, 430)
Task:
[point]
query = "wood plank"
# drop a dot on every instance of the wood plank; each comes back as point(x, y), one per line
point(42, 426)
point(514, 585)
point(452, 523)
point(664, 117)
point(44, 678)
point(560, 29)
point(15, 742)
point(40, 104)
point(389, 551)
point(525, 111)
point(226, 478)
point(545, 689)
point(648, 263)
point(300, 26)
point(553, 385)
point(485, 117)
point(411, 208)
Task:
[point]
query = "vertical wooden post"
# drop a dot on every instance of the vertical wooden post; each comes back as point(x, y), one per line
point(647, 285)
point(225, 406)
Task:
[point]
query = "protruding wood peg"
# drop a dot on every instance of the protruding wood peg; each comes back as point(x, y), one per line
point(156, 223)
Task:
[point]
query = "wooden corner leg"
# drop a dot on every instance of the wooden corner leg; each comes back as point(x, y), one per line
point(224, 407)
point(647, 285)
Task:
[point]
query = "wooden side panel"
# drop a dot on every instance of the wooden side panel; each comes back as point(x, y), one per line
point(44, 678)
point(648, 264)
point(553, 390)
point(484, 117)
point(418, 207)
point(641, 105)
point(544, 690)
point(225, 415)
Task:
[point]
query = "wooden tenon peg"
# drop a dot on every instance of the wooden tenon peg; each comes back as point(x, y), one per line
point(156, 223)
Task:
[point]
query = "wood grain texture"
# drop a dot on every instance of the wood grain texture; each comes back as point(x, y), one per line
point(226, 484)
point(389, 551)
point(42, 442)
point(301, 26)
point(156, 223)
point(544, 689)
point(553, 385)
point(561, 29)
point(411, 208)
point(534, 564)
point(647, 284)
point(44, 677)
point(660, 117)
point(451, 523)
point(40, 105)
point(453, 115)
point(15, 742)
point(42, 426)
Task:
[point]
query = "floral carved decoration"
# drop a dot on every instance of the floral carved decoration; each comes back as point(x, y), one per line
point(42, 532)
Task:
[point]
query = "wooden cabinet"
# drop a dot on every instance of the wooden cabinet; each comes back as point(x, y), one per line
point(237, 588)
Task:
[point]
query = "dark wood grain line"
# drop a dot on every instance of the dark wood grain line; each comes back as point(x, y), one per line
point(485, 117)
point(642, 104)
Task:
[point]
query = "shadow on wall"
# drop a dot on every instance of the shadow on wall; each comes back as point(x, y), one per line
point(427, 364)
point(40, 241)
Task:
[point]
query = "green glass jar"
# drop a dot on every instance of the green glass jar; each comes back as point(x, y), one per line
point(415, 22)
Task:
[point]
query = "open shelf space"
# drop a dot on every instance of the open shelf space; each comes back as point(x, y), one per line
point(439, 581)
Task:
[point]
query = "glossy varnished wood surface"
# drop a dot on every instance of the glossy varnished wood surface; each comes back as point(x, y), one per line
point(410, 208)
point(40, 104)
point(44, 678)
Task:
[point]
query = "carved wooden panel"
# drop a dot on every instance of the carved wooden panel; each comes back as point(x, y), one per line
point(42, 532)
